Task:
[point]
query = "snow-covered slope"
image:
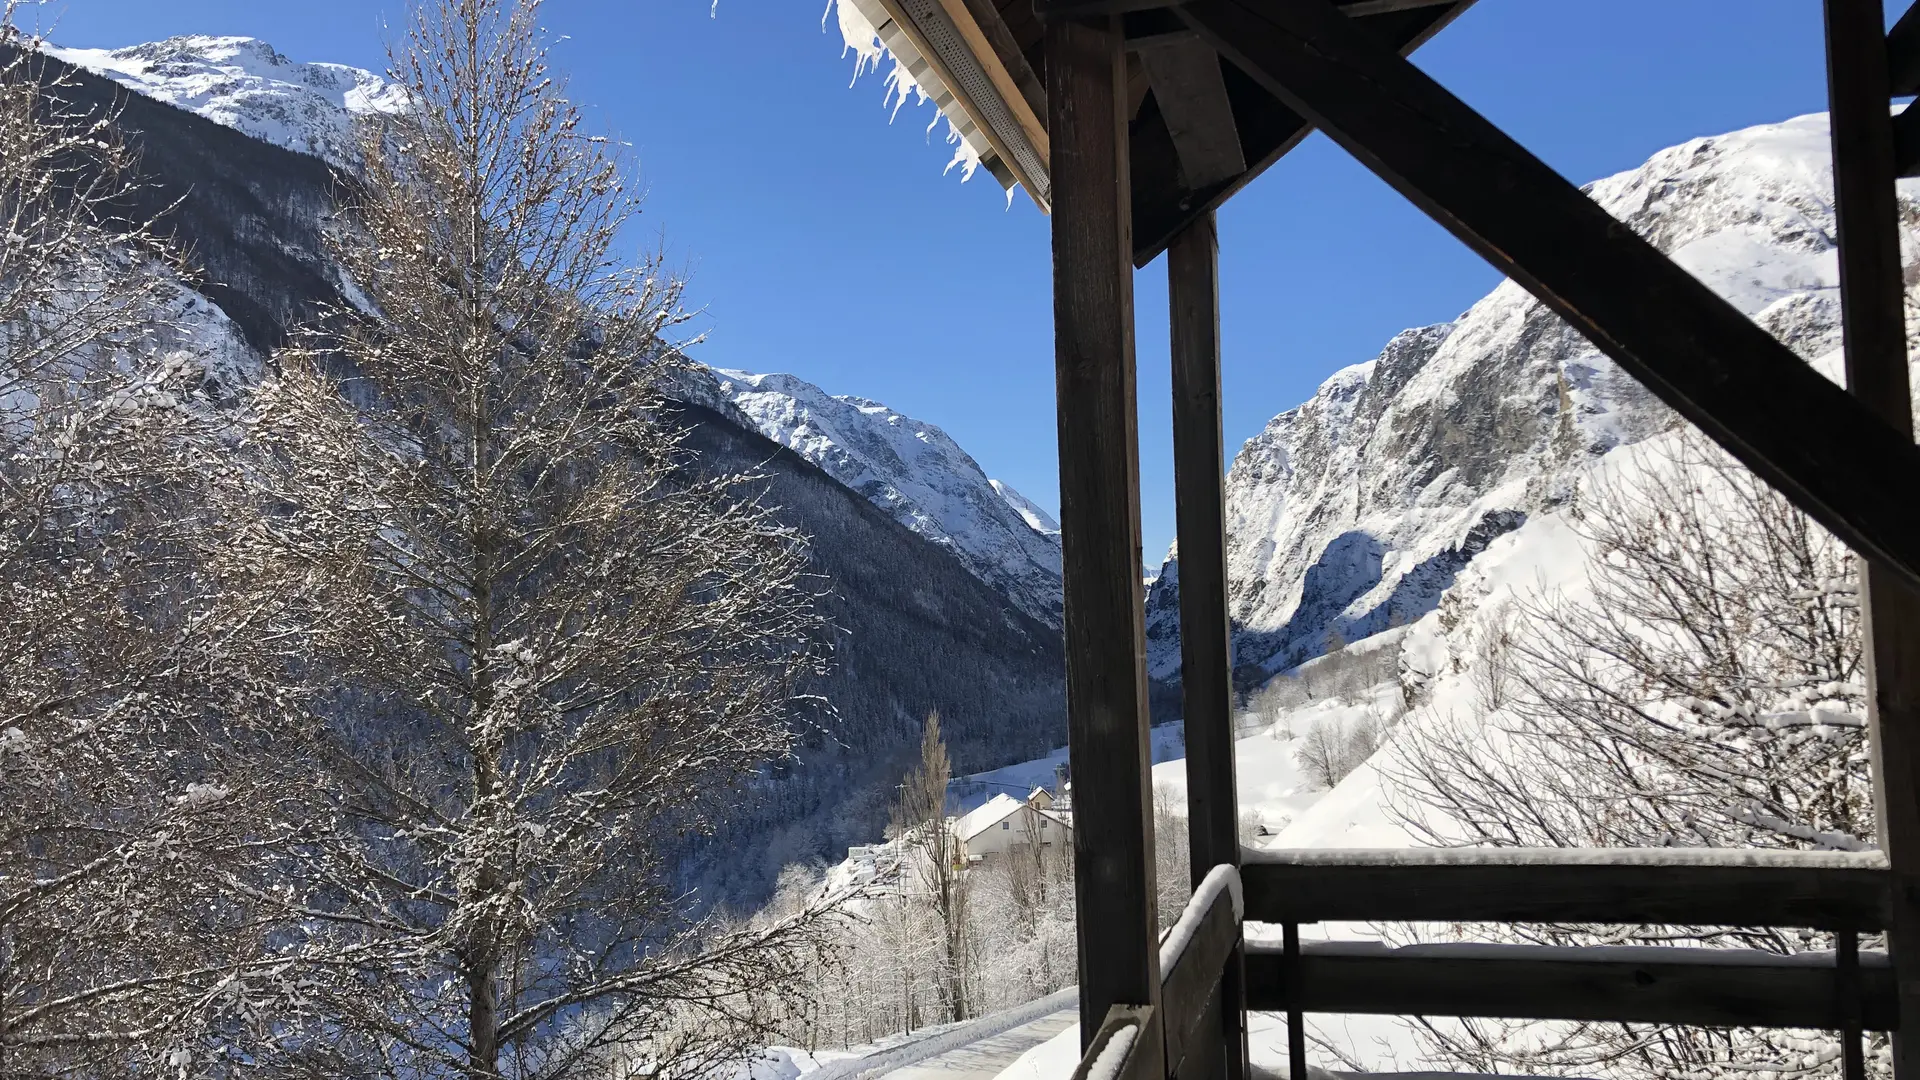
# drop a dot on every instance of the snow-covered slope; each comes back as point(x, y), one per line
point(916, 473)
point(912, 470)
point(1356, 510)
point(246, 85)
point(1039, 519)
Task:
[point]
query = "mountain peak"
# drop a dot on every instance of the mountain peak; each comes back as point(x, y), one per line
point(1354, 511)
point(246, 84)
point(916, 473)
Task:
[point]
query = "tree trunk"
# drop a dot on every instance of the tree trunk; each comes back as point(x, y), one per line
point(483, 1022)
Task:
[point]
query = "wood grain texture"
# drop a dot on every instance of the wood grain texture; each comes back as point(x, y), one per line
point(1191, 983)
point(1007, 48)
point(1145, 1055)
point(1873, 328)
point(1820, 892)
point(988, 50)
point(1162, 207)
point(1206, 657)
point(1833, 457)
point(1645, 984)
point(1100, 522)
point(1186, 80)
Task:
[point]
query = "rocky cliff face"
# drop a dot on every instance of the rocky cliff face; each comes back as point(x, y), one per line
point(247, 85)
point(910, 469)
point(1354, 511)
point(917, 474)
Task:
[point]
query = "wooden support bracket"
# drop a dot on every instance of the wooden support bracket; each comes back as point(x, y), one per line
point(1832, 456)
point(1186, 80)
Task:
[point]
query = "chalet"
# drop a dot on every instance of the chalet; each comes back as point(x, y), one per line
point(1131, 122)
point(1003, 823)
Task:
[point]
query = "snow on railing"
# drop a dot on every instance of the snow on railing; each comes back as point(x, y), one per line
point(1107, 1063)
point(1491, 856)
point(1220, 878)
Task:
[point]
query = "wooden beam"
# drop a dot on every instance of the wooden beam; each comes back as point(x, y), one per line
point(1903, 54)
point(1206, 658)
point(1006, 49)
point(1268, 131)
point(1906, 140)
point(1088, 9)
point(1018, 92)
point(1105, 637)
point(1192, 984)
point(1620, 984)
point(1144, 1057)
point(1873, 330)
point(1657, 886)
point(1199, 468)
point(915, 18)
point(1354, 9)
point(1193, 100)
point(1079, 9)
point(1838, 461)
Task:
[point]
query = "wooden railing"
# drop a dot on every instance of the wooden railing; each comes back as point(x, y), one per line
point(1179, 1038)
point(1843, 990)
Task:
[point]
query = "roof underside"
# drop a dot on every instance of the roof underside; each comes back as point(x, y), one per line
point(1201, 128)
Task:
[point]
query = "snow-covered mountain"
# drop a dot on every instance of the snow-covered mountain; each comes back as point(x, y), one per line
point(246, 85)
point(1355, 511)
point(912, 470)
point(914, 629)
point(918, 475)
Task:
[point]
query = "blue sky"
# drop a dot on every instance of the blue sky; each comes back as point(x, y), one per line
point(823, 241)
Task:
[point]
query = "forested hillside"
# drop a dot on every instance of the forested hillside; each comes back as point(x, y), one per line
point(913, 630)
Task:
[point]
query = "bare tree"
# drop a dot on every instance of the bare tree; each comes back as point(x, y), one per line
point(129, 796)
point(548, 651)
point(1709, 693)
point(1022, 934)
point(1172, 872)
point(920, 818)
point(1333, 748)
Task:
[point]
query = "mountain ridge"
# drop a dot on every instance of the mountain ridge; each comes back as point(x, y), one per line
point(1354, 511)
point(909, 468)
point(914, 630)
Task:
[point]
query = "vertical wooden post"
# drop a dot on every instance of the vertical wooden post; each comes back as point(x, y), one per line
point(1873, 320)
point(1100, 520)
point(1206, 659)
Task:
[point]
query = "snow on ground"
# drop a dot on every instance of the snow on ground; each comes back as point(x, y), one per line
point(788, 1063)
point(1056, 1058)
point(971, 791)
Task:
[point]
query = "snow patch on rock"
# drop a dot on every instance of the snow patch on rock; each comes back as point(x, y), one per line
point(245, 84)
point(1357, 510)
point(917, 474)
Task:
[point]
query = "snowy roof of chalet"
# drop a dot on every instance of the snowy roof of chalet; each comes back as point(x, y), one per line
point(993, 812)
point(986, 816)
